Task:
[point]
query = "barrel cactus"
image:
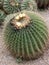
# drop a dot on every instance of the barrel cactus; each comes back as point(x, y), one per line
point(29, 5)
point(11, 6)
point(42, 3)
point(2, 16)
point(26, 35)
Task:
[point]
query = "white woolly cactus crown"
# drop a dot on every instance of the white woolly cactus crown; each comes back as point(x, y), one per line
point(19, 24)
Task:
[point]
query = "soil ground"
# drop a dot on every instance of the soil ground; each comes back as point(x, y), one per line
point(7, 59)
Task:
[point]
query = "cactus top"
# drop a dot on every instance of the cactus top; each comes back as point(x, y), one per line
point(29, 5)
point(13, 3)
point(11, 6)
point(21, 20)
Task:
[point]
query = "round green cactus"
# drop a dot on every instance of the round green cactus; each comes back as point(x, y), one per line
point(2, 16)
point(42, 3)
point(26, 35)
point(1, 3)
point(11, 6)
point(29, 5)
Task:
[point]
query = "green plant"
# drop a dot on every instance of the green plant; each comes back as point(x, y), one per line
point(2, 16)
point(26, 35)
point(29, 5)
point(11, 6)
point(1, 3)
point(42, 3)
